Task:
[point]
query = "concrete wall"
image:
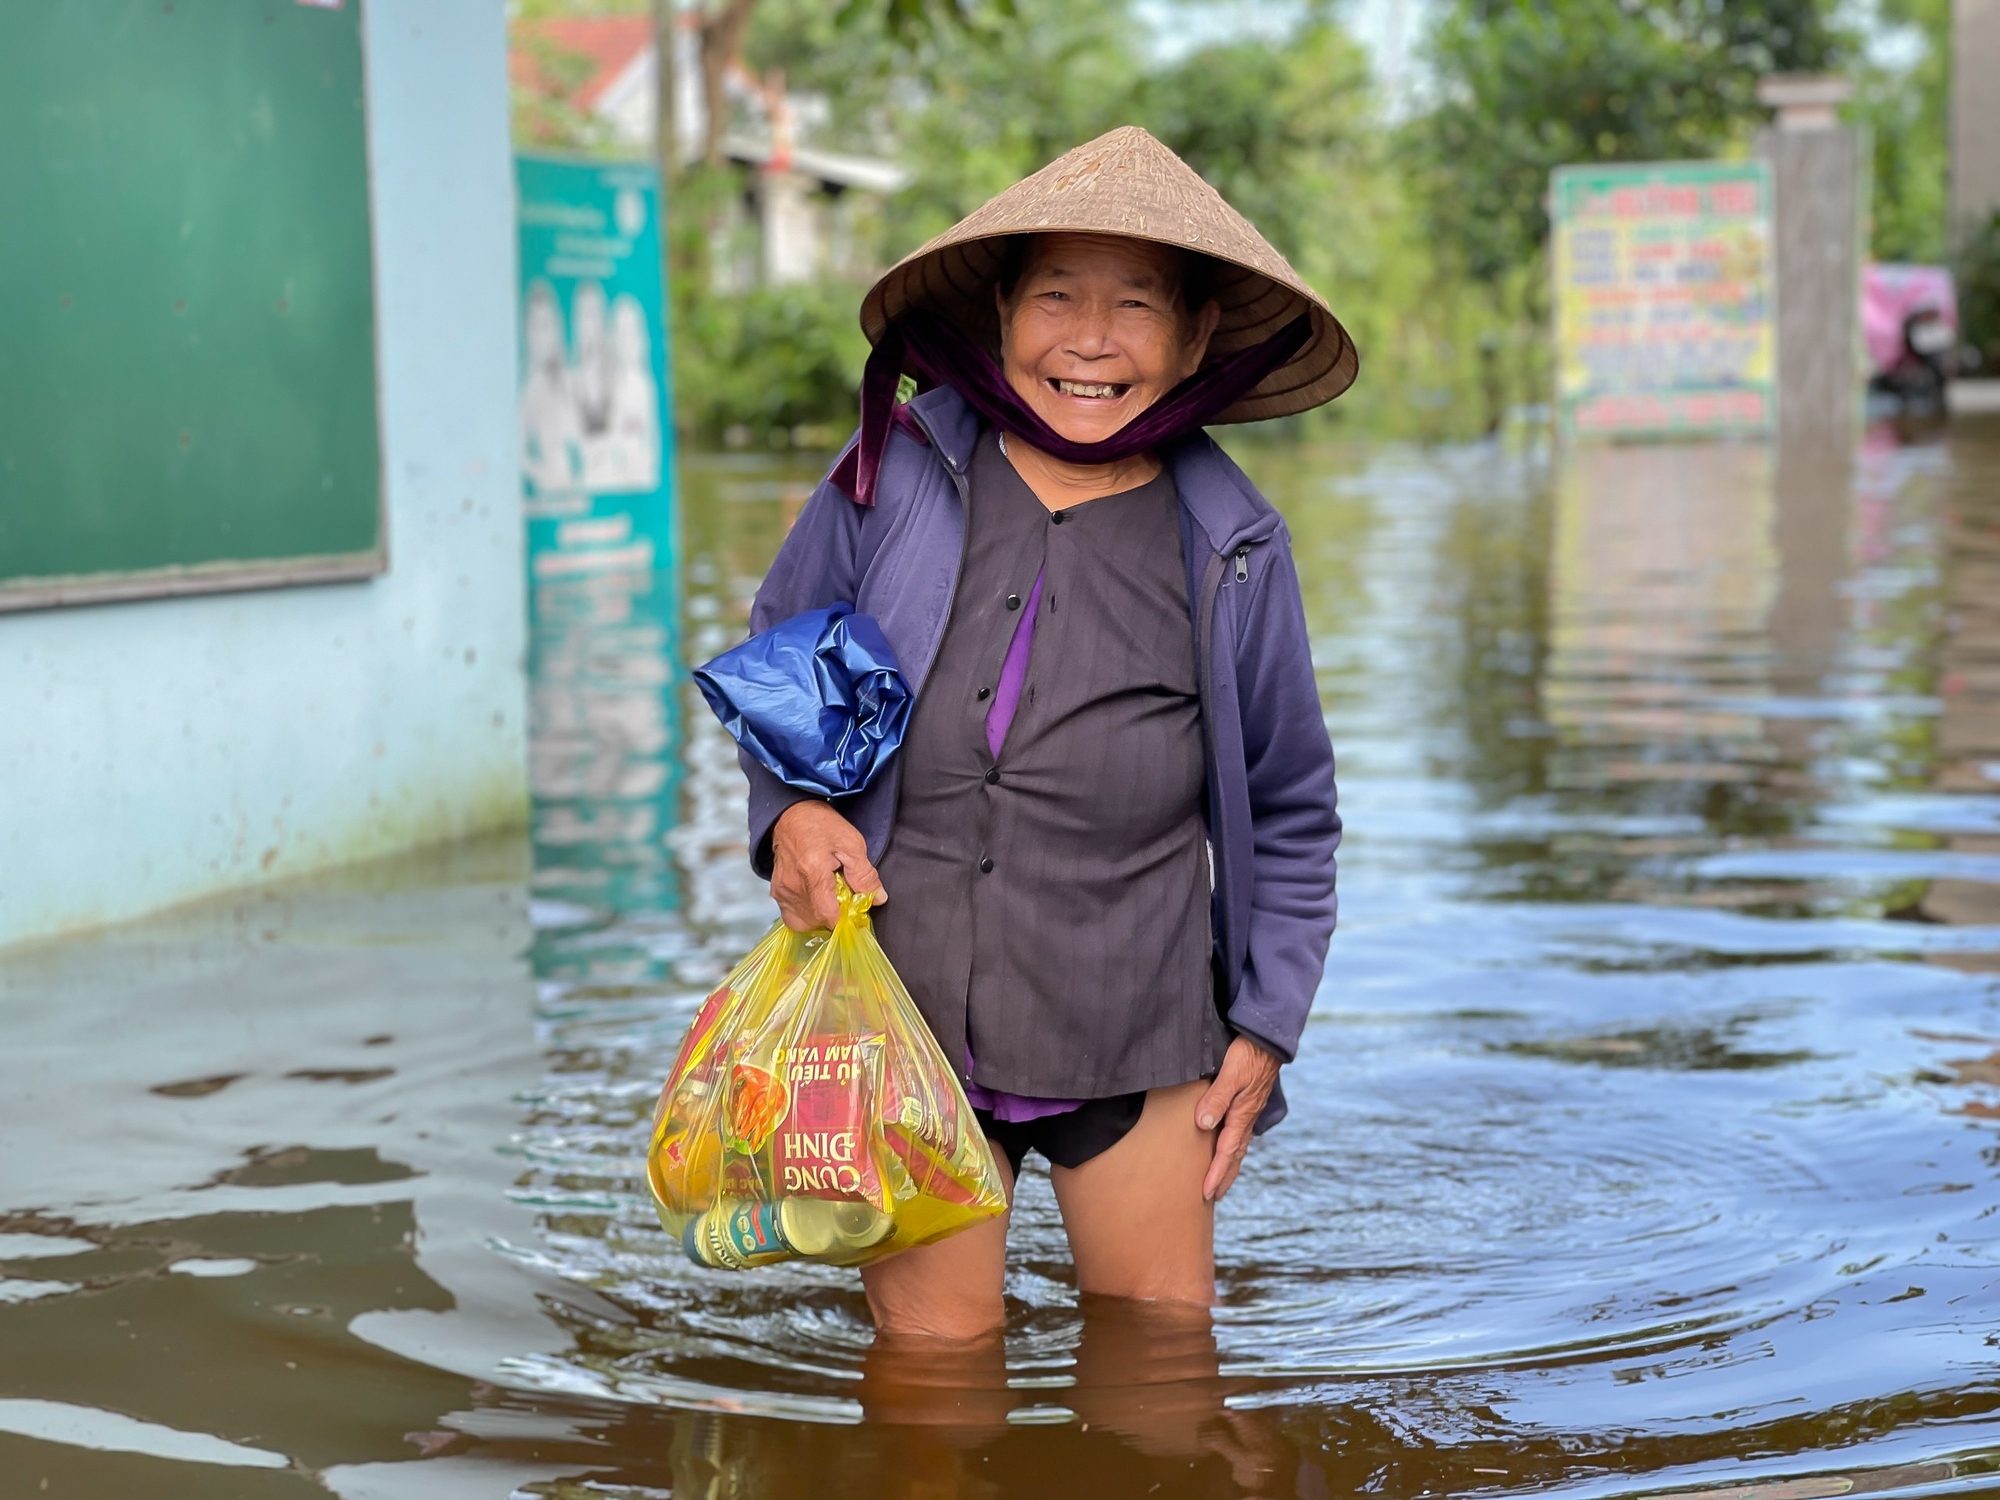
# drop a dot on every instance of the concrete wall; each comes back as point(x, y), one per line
point(1975, 113)
point(154, 752)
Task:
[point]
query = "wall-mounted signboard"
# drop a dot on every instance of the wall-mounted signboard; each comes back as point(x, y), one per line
point(597, 478)
point(1665, 315)
point(596, 438)
point(187, 302)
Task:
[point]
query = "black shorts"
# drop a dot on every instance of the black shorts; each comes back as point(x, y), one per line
point(1069, 1139)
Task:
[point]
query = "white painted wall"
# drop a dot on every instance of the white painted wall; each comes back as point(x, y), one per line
point(154, 752)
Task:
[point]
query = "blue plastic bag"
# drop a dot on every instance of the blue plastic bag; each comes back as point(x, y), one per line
point(817, 699)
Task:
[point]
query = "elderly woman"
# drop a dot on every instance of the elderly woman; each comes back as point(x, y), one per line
point(1104, 857)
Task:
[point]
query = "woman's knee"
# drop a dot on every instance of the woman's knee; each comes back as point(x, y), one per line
point(954, 1289)
point(954, 1318)
point(951, 1290)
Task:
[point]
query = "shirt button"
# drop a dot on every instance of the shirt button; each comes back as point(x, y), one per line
point(1057, 518)
point(986, 867)
point(1013, 601)
point(984, 694)
point(993, 777)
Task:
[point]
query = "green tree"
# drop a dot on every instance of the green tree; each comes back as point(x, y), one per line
point(975, 112)
point(1529, 85)
point(1904, 107)
point(768, 361)
point(543, 84)
point(1979, 292)
point(1289, 135)
point(1292, 135)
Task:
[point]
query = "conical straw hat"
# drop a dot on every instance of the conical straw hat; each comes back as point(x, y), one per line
point(1125, 182)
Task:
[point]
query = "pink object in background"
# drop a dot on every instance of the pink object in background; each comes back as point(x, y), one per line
point(1889, 295)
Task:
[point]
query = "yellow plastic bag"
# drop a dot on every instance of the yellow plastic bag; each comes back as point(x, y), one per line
point(811, 1115)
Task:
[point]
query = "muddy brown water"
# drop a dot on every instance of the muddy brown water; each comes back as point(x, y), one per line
point(1646, 1136)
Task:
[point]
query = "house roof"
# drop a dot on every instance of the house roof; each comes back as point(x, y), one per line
point(615, 45)
point(612, 43)
point(833, 168)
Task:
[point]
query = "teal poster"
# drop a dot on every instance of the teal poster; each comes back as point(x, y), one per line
point(597, 481)
point(593, 348)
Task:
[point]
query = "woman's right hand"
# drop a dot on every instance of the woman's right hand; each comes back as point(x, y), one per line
point(809, 842)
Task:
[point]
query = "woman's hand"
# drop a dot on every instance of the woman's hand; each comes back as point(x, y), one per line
point(808, 843)
point(1233, 1101)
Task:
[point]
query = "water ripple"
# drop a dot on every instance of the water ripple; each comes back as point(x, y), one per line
point(1643, 1132)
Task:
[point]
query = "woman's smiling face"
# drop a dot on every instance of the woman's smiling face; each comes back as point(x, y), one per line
point(1097, 330)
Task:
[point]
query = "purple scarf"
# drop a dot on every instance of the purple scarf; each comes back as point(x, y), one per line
point(936, 352)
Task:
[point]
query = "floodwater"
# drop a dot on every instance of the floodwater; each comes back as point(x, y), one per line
point(1645, 1137)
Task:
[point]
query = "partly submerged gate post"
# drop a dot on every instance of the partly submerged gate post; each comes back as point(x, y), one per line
point(1820, 171)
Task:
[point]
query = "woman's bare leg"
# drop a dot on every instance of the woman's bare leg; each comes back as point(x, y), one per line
point(1138, 1225)
point(951, 1289)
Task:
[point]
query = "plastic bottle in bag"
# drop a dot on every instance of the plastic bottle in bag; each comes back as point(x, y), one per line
point(811, 1115)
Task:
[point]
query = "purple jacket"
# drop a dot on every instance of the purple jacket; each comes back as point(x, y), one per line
point(1272, 821)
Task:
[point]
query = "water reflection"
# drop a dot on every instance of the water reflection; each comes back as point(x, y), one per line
point(1662, 580)
point(1966, 768)
point(603, 705)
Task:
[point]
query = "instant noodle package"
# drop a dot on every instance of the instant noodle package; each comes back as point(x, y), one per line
point(811, 1115)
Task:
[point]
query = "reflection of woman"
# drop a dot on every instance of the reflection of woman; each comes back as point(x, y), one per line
point(550, 439)
point(1147, 1371)
point(1115, 697)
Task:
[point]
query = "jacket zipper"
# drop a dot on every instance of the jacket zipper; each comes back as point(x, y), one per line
point(1211, 587)
point(1206, 605)
point(1211, 598)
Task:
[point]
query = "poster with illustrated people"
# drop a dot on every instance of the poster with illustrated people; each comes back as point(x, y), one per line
point(593, 376)
point(590, 402)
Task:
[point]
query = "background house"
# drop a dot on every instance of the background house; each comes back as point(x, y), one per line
point(799, 213)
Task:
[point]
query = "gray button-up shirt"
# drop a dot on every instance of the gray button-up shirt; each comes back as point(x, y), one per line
point(1049, 907)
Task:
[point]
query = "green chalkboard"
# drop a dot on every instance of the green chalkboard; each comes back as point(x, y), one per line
point(187, 310)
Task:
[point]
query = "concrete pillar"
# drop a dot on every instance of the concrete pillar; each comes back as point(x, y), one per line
point(1975, 114)
point(1819, 170)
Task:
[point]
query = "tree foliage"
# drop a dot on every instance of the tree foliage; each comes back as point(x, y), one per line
point(1290, 136)
point(767, 361)
point(543, 101)
point(1979, 292)
point(910, 19)
point(976, 113)
point(1904, 107)
point(1529, 85)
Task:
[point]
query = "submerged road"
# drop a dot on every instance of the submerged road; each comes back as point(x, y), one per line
point(1645, 1138)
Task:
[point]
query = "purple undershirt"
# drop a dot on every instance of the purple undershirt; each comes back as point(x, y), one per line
point(1013, 1109)
point(1014, 671)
